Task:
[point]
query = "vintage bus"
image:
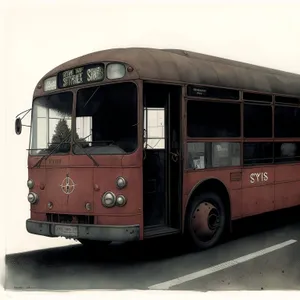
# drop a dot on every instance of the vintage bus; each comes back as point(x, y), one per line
point(135, 143)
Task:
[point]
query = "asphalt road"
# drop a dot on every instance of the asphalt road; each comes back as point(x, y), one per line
point(153, 264)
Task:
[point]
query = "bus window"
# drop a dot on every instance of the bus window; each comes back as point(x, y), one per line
point(106, 119)
point(203, 155)
point(286, 122)
point(257, 121)
point(225, 154)
point(154, 120)
point(256, 153)
point(51, 124)
point(286, 152)
point(213, 119)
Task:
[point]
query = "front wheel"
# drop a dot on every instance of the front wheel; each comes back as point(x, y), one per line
point(205, 220)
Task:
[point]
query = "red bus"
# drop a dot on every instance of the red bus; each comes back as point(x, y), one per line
point(130, 144)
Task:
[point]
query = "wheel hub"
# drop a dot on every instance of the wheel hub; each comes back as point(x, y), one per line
point(205, 221)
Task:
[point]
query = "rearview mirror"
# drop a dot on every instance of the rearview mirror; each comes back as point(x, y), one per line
point(18, 126)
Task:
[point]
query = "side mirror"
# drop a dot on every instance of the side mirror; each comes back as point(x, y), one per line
point(18, 126)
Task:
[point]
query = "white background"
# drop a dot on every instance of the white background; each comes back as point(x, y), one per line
point(38, 35)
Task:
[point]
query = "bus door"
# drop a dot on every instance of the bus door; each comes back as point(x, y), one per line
point(162, 169)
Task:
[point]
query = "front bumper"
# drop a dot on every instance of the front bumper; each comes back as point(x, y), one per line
point(85, 231)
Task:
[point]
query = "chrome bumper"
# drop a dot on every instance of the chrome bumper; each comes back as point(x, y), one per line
point(85, 231)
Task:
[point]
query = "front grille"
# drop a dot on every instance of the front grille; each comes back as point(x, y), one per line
point(63, 218)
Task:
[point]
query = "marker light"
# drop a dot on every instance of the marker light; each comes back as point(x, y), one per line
point(121, 182)
point(32, 197)
point(121, 200)
point(109, 199)
point(30, 183)
point(50, 84)
point(88, 206)
point(115, 71)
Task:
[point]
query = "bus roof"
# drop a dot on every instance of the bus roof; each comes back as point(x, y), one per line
point(174, 65)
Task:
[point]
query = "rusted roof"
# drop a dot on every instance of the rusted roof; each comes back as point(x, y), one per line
point(190, 67)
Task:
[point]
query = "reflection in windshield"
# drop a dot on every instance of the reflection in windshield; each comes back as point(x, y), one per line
point(106, 119)
point(51, 124)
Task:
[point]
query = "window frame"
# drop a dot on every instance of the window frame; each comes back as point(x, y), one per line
point(264, 99)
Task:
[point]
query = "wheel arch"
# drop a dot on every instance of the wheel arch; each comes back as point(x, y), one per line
point(214, 185)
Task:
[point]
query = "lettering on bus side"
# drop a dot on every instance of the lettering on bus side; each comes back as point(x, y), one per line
point(52, 161)
point(259, 177)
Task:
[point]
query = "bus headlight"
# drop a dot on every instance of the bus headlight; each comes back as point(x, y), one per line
point(115, 71)
point(109, 199)
point(30, 183)
point(50, 84)
point(121, 182)
point(121, 200)
point(32, 198)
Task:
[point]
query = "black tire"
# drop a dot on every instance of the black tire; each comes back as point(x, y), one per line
point(92, 244)
point(209, 233)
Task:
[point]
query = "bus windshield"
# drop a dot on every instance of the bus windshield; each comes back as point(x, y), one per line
point(51, 124)
point(106, 119)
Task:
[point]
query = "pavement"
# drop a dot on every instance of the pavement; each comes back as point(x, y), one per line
point(262, 254)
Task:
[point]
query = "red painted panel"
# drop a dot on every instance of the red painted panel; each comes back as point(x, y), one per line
point(83, 190)
point(258, 190)
point(38, 216)
point(236, 203)
point(90, 184)
point(192, 178)
point(287, 173)
point(287, 188)
point(258, 199)
point(105, 178)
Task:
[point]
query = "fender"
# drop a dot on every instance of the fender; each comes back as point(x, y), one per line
point(196, 186)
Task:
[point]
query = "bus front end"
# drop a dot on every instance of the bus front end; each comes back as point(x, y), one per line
point(85, 155)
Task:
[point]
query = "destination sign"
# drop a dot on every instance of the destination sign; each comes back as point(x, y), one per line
point(80, 75)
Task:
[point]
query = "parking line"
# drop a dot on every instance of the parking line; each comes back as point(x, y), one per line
point(228, 264)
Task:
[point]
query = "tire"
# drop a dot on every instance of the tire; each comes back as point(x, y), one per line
point(94, 244)
point(205, 221)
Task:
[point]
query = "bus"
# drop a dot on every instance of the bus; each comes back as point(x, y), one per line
point(137, 143)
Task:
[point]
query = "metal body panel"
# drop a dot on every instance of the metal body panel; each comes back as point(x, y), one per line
point(175, 65)
point(90, 232)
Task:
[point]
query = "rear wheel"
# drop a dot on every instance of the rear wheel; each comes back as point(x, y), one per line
point(94, 244)
point(205, 220)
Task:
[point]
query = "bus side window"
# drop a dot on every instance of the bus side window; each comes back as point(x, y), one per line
point(203, 155)
point(225, 154)
point(196, 155)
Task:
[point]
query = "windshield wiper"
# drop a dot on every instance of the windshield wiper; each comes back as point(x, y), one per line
point(38, 163)
point(88, 154)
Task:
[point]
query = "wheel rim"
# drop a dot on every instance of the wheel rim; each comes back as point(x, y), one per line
point(205, 221)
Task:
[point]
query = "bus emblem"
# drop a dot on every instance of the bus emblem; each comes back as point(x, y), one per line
point(68, 185)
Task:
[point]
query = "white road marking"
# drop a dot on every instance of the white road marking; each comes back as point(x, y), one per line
point(228, 264)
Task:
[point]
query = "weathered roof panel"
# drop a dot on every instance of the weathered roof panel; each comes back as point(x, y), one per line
point(190, 67)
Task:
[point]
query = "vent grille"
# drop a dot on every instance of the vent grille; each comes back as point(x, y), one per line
point(70, 219)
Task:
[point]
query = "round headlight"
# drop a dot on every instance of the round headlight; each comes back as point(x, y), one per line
point(32, 198)
point(30, 183)
point(121, 182)
point(121, 200)
point(109, 199)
